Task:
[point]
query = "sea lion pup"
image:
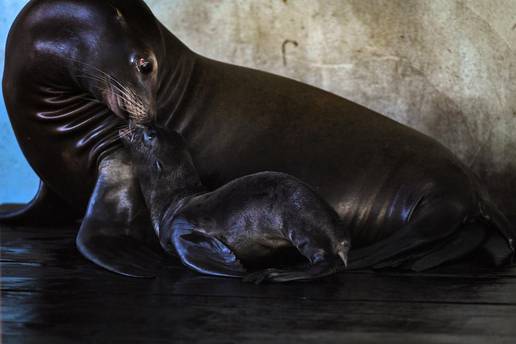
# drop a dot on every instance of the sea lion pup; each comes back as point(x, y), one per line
point(225, 231)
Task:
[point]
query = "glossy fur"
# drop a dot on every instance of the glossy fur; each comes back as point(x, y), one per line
point(240, 224)
point(405, 199)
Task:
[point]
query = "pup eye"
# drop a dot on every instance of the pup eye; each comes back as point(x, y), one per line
point(144, 65)
point(149, 135)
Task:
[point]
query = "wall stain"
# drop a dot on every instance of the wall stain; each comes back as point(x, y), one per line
point(284, 49)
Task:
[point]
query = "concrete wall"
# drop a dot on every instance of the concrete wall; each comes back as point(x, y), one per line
point(444, 67)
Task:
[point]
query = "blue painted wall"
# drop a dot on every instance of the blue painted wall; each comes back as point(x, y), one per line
point(18, 183)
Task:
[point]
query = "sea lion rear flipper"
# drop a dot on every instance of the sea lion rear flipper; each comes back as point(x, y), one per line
point(466, 240)
point(204, 253)
point(116, 232)
point(46, 208)
point(499, 246)
point(454, 247)
point(305, 273)
point(437, 220)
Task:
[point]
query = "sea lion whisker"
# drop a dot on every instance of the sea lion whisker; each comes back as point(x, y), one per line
point(95, 78)
point(104, 79)
point(138, 117)
point(112, 78)
point(130, 103)
point(134, 102)
point(125, 132)
point(136, 110)
point(131, 97)
point(128, 131)
point(109, 78)
point(95, 69)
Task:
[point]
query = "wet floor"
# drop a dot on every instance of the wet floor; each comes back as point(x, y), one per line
point(50, 294)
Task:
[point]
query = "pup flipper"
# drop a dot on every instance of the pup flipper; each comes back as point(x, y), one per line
point(204, 253)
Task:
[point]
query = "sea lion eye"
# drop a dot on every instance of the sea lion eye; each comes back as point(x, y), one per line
point(144, 65)
point(149, 135)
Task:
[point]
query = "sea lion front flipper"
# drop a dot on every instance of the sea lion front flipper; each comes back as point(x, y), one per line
point(306, 273)
point(46, 208)
point(116, 232)
point(123, 255)
point(204, 253)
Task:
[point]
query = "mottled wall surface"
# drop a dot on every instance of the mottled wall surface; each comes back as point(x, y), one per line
point(444, 67)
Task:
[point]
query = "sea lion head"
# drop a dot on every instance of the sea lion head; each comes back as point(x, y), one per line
point(165, 169)
point(124, 45)
point(110, 48)
point(160, 155)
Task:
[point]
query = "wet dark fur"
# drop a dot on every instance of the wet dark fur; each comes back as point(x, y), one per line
point(239, 225)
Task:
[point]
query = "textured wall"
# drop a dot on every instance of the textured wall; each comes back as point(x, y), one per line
point(444, 67)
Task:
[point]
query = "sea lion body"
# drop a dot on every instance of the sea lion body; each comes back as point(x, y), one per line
point(371, 169)
point(240, 224)
point(389, 184)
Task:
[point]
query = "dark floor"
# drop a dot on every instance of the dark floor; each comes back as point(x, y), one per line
point(50, 294)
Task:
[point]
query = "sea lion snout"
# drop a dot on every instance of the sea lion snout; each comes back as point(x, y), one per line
point(140, 140)
point(133, 100)
point(145, 134)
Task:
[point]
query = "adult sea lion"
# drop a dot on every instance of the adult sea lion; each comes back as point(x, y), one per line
point(241, 224)
point(75, 70)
